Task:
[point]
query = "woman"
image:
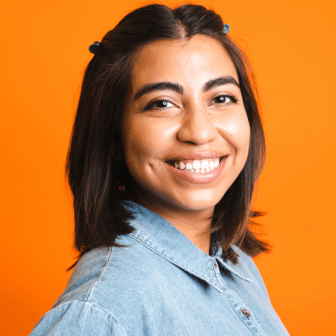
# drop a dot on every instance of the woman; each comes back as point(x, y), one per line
point(166, 148)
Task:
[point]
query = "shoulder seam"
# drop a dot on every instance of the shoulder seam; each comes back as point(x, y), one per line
point(100, 276)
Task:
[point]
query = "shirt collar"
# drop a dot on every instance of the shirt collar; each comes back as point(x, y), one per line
point(163, 238)
point(233, 268)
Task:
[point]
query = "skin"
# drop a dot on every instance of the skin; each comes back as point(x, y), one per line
point(154, 132)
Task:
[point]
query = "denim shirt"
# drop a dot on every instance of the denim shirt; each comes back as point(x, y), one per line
point(161, 284)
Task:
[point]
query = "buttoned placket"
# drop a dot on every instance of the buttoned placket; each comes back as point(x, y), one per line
point(238, 305)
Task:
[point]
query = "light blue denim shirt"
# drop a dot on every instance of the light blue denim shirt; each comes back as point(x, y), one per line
point(161, 284)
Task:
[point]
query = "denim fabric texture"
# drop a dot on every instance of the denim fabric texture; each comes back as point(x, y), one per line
point(161, 284)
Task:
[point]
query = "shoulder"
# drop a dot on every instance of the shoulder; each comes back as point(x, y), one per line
point(85, 275)
point(103, 272)
point(110, 282)
point(104, 291)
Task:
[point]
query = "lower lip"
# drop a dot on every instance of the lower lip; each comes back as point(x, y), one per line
point(199, 178)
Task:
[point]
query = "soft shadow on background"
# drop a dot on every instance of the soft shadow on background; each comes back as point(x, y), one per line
point(291, 45)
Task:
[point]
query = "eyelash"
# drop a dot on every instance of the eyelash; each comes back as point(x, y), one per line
point(151, 105)
point(233, 99)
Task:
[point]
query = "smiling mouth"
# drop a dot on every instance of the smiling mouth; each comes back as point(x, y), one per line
point(197, 166)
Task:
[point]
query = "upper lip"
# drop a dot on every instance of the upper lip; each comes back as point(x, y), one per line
point(198, 156)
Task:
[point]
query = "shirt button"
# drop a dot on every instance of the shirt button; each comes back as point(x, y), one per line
point(215, 265)
point(246, 313)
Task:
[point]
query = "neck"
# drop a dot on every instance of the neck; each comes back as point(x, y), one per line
point(194, 224)
point(196, 231)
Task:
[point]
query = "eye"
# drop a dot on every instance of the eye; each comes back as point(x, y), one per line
point(224, 99)
point(159, 104)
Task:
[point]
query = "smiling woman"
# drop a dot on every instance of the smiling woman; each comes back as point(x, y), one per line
point(188, 100)
point(166, 148)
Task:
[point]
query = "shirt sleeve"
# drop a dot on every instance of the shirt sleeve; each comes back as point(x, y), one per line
point(77, 318)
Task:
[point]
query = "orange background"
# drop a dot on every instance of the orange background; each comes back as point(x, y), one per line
point(291, 45)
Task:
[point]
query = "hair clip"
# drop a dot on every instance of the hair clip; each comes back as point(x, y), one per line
point(94, 47)
point(226, 28)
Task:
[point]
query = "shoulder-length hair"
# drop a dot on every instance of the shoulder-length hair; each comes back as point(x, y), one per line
point(100, 181)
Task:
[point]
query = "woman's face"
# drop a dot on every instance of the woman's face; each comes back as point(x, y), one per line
point(185, 112)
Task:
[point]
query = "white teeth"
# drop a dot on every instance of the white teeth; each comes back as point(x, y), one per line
point(197, 166)
point(204, 164)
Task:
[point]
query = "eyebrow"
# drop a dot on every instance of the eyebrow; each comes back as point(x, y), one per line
point(220, 81)
point(158, 86)
point(179, 89)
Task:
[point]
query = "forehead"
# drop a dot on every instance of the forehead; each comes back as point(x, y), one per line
point(189, 62)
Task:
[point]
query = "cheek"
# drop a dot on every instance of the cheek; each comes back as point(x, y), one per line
point(236, 130)
point(135, 143)
point(145, 139)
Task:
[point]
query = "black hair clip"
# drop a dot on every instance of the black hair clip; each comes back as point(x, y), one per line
point(94, 47)
point(226, 28)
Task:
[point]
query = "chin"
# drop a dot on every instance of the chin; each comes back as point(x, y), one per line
point(198, 201)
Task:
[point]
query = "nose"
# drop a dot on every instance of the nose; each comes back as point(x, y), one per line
point(197, 127)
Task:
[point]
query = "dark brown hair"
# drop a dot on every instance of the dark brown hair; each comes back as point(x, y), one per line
point(100, 181)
